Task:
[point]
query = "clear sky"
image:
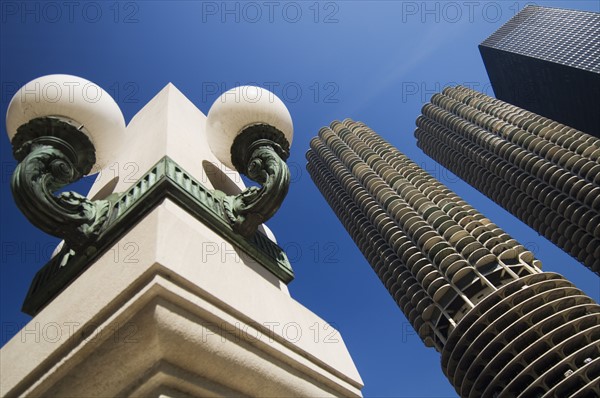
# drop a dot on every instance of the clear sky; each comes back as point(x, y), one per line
point(373, 61)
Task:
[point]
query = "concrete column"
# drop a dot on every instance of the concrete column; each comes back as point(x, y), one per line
point(173, 303)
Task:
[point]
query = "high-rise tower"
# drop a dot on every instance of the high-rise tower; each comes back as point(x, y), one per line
point(544, 173)
point(547, 60)
point(503, 327)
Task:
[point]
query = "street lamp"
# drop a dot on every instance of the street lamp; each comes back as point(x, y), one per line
point(64, 127)
point(165, 258)
point(250, 130)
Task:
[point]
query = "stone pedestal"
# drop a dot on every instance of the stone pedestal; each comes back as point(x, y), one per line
point(169, 302)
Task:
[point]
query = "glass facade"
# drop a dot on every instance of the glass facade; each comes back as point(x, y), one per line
point(566, 37)
point(547, 60)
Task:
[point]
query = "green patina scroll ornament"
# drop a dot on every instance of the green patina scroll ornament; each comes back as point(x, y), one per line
point(259, 152)
point(249, 129)
point(57, 141)
point(53, 154)
point(165, 179)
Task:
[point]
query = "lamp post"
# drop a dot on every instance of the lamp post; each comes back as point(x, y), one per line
point(250, 130)
point(197, 302)
point(60, 138)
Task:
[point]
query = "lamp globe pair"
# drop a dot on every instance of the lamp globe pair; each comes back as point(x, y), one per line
point(64, 127)
point(90, 110)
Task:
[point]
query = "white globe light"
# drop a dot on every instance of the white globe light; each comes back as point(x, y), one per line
point(240, 108)
point(77, 101)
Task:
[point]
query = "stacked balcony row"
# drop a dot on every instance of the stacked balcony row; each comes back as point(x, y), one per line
point(406, 272)
point(401, 281)
point(536, 337)
point(503, 327)
point(476, 223)
point(549, 182)
point(454, 253)
point(581, 144)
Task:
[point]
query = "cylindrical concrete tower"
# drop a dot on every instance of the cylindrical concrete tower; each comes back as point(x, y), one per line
point(544, 173)
point(503, 327)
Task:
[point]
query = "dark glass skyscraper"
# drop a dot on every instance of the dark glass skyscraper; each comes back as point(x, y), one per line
point(503, 327)
point(544, 173)
point(547, 60)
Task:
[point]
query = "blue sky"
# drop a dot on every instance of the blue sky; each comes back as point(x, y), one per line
point(373, 61)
